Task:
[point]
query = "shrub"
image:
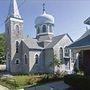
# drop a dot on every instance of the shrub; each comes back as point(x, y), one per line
point(20, 81)
point(33, 80)
point(78, 82)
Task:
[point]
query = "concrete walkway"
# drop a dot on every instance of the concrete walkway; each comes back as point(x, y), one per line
point(3, 88)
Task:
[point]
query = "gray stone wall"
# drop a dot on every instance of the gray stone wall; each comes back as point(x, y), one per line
point(24, 51)
point(33, 67)
point(12, 35)
point(48, 59)
point(65, 41)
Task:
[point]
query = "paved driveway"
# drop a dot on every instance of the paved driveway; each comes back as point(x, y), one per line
point(60, 85)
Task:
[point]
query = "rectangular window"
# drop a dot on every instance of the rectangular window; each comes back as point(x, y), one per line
point(66, 52)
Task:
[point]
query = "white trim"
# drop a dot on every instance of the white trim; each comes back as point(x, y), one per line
point(16, 60)
point(17, 25)
point(60, 51)
point(16, 41)
point(45, 33)
point(35, 58)
point(17, 20)
point(65, 50)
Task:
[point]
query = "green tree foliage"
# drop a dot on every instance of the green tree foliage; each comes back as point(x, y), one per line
point(2, 48)
point(55, 62)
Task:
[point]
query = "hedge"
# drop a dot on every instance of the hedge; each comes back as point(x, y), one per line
point(78, 82)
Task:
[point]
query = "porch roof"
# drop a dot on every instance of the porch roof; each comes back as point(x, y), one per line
point(84, 42)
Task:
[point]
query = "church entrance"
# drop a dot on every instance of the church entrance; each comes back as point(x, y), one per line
point(86, 61)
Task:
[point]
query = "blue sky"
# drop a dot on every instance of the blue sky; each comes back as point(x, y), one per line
point(69, 15)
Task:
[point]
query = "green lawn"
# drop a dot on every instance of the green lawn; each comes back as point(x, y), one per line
point(21, 81)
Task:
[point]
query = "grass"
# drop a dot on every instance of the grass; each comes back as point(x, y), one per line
point(21, 81)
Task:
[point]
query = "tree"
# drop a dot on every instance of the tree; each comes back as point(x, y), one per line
point(2, 48)
point(55, 62)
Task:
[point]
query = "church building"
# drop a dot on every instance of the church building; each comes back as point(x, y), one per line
point(34, 55)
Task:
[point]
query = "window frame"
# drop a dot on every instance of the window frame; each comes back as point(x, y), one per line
point(66, 52)
point(17, 46)
point(17, 28)
point(18, 61)
point(44, 28)
point(25, 58)
point(36, 58)
point(61, 53)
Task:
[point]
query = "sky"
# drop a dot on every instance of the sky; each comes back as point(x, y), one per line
point(69, 15)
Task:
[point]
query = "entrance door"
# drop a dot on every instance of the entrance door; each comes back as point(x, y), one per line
point(86, 61)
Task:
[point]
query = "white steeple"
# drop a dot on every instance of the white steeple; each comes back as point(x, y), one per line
point(13, 10)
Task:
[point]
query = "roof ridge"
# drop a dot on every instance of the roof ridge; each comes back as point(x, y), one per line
point(54, 41)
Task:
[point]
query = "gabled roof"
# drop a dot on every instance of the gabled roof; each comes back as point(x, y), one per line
point(55, 40)
point(31, 43)
point(87, 32)
point(81, 43)
point(87, 21)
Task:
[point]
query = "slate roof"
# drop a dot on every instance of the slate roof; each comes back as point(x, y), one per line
point(87, 32)
point(55, 40)
point(81, 43)
point(87, 21)
point(32, 43)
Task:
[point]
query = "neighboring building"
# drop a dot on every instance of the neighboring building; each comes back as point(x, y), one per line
point(81, 51)
point(34, 55)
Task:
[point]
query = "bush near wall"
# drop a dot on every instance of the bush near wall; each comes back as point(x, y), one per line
point(78, 82)
point(2, 48)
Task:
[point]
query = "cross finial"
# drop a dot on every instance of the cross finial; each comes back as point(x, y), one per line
point(43, 7)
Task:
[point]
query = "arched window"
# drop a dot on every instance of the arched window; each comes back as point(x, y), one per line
point(36, 59)
point(38, 30)
point(44, 28)
point(50, 27)
point(17, 61)
point(61, 53)
point(17, 28)
point(25, 57)
point(17, 46)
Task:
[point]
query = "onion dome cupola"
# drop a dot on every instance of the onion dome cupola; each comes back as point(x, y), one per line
point(44, 24)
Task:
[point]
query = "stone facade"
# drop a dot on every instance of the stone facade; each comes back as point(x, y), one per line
point(28, 55)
